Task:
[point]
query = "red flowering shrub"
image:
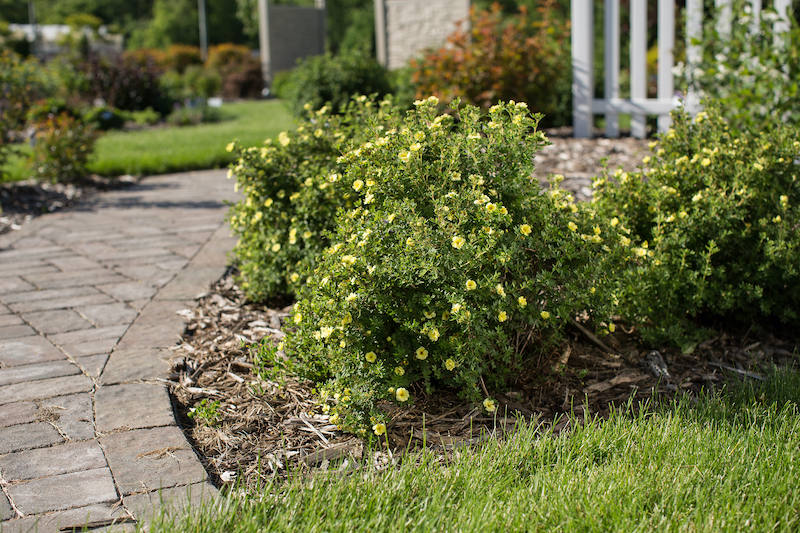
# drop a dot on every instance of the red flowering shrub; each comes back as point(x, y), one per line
point(524, 58)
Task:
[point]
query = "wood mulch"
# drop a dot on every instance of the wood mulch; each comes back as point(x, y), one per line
point(267, 429)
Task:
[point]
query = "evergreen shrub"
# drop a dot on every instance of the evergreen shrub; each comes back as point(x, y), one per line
point(333, 81)
point(451, 267)
point(713, 222)
point(290, 197)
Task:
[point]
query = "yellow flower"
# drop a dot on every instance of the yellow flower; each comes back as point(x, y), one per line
point(409, 242)
point(429, 315)
point(458, 242)
point(612, 328)
point(284, 139)
point(522, 301)
point(325, 332)
point(489, 405)
point(705, 162)
point(614, 221)
point(500, 290)
point(422, 353)
point(491, 208)
point(405, 156)
point(525, 229)
point(450, 364)
point(334, 418)
point(471, 285)
point(502, 316)
point(351, 297)
point(572, 226)
point(306, 234)
point(777, 219)
point(545, 315)
point(401, 394)
point(646, 159)
point(298, 317)
point(758, 166)
point(399, 370)
point(348, 259)
point(433, 334)
point(357, 185)
point(784, 200)
point(379, 429)
point(276, 247)
point(456, 308)
point(416, 147)
point(420, 136)
point(268, 202)
point(371, 357)
point(230, 147)
point(294, 277)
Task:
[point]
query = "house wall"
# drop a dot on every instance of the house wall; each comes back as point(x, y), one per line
point(404, 28)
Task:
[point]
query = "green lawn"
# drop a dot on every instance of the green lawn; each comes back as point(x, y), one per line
point(163, 150)
point(723, 463)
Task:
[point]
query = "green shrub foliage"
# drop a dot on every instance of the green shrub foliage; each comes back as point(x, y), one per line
point(713, 221)
point(21, 83)
point(523, 57)
point(334, 81)
point(452, 267)
point(752, 71)
point(290, 198)
point(63, 147)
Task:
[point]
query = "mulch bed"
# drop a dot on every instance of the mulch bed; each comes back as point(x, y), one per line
point(269, 429)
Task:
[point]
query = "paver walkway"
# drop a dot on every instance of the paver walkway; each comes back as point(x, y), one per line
point(88, 301)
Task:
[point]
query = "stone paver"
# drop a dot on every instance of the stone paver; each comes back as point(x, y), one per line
point(71, 415)
point(45, 388)
point(6, 512)
point(9, 319)
point(65, 491)
point(88, 301)
point(27, 436)
point(145, 459)
point(59, 321)
point(18, 413)
point(132, 405)
point(71, 520)
point(53, 369)
point(53, 461)
point(126, 365)
point(15, 332)
point(109, 314)
point(28, 350)
point(176, 500)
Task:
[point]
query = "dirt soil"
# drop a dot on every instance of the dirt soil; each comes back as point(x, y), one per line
point(264, 429)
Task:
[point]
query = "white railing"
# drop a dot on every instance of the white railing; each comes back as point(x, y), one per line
point(585, 105)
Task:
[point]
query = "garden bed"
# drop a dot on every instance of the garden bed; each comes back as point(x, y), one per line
point(281, 429)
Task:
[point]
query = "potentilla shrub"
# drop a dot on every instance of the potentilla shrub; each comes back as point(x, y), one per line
point(290, 200)
point(452, 268)
point(713, 220)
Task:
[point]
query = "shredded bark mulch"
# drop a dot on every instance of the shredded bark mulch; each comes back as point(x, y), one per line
point(266, 429)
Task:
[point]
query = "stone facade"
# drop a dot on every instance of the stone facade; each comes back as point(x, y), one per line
point(404, 28)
